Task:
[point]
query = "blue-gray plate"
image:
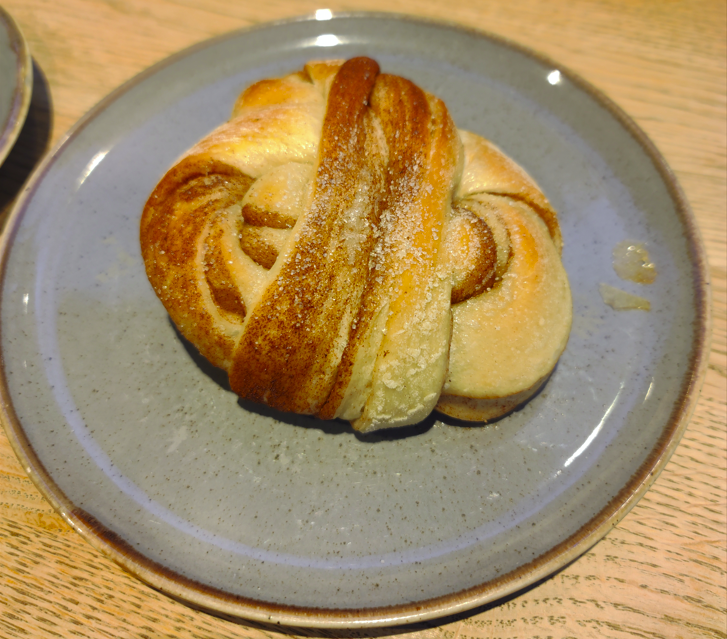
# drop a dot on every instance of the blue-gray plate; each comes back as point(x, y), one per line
point(16, 82)
point(143, 449)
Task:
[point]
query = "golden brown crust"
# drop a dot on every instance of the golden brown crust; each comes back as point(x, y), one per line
point(486, 409)
point(342, 250)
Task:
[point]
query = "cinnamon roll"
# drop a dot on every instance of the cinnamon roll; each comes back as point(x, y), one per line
point(341, 249)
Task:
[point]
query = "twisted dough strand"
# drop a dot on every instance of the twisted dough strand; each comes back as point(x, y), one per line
point(295, 337)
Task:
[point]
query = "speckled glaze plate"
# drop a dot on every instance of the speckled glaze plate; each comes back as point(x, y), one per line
point(16, 82)
point(237, 509)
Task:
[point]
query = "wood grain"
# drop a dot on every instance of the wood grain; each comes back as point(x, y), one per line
point(661, 571)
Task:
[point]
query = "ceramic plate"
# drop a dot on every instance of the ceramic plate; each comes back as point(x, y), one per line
point(240, 510)
point(16, 82)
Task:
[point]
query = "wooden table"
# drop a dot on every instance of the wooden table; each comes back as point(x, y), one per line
point(661, 571)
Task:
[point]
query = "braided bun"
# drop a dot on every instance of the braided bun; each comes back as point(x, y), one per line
point(342, 250)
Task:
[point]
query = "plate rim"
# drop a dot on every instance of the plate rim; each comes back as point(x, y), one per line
point(23, 85)
point(219, 602)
